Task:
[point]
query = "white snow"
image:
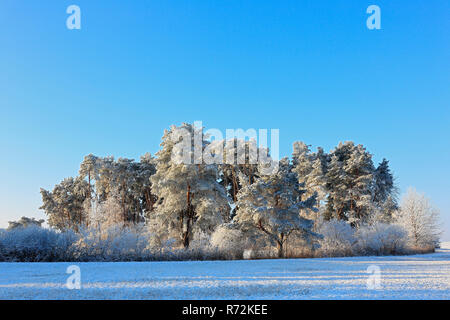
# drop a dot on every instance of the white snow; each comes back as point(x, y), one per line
point(402, 277)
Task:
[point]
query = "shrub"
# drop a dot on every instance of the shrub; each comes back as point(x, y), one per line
point(338, 239)
point(382, 239)
point(34, 244)
point(116, 243)
point(229, 240)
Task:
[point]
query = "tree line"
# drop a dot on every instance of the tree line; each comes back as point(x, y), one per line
point(178, 200)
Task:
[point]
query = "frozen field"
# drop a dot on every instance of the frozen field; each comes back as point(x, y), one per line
point(402, 277)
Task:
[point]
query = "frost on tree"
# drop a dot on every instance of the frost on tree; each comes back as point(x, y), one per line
point(25, 222)
point(418, 216)
point(272, 204)
point(310, 169)
point(239, 157)
point(385, 192)
point(65, 205)
point(190, 196)
point(102, 183)
point(350, 183)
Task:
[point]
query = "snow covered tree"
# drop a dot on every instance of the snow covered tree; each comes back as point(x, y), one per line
point(316, 179)
point(336, 206)
point(125, 179)
point(189, 193)
point(145, 170)
point(232, 166)
point(239, 157)
point(24, 222)
point(350, 181)
point(338, 238)
point(272, 204)
point(358, 180)
point(310, 169)
point(384, 182)
point(384, 191)
point(418, 216)
point(302, 161)
point(65, 205)
point(107, 213)
point(88, 169)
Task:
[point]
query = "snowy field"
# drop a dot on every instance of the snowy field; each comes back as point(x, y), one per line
point(402, 277)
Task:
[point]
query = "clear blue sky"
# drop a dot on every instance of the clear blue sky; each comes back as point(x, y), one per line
point(310, 68)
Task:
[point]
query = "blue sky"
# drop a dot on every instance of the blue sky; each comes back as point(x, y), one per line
point(309, 68)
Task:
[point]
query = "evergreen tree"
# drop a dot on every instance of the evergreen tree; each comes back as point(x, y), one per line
point(350, 179)
point(271, 205)
point(24, 222)
point(189, 193)
point(302, 161)
point(65, 205)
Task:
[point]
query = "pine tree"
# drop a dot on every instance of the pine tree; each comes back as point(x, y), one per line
point(385, 193)
point(316, 178)
point(145, 170)
point(271, 205)
point(25, 222)
point(88, 169)
point(302, 161)
point(350, 180)
point(359, 179)
point(189, 193)
point(336, 205)
point(65, 205)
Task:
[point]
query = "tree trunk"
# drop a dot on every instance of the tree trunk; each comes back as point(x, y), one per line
point(280, 249)
point(189, 214)
point(235, 188)
point(186, 237)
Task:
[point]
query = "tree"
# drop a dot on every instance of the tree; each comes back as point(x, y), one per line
point(302, 161)
point(310, 169)
point(350, 179)
point(336, 205)
point(106, 214)
point(385, 193)
point(234, 163)
point(25, 222)
point(65, 205)
point(418, 216)
point(272, 204)
point(188, 191)
point(88, 169)
point(126, 180)
point(145, 170)
point(358, 179)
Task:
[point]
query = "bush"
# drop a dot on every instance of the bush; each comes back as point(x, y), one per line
point(116, 243)
point(381, 239)
point(338, 239)
point(227, 242)
point(35, 244)
point(230, 241)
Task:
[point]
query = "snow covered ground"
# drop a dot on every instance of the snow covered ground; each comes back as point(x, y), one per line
point(401, 277)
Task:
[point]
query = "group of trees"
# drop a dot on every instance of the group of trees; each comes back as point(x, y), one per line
point(76, 202)
point(346, 181)
point(178, 200)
